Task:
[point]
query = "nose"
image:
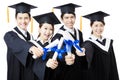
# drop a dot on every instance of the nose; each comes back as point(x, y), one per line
point(70, 19)
point(48, 32)
point(23, 20)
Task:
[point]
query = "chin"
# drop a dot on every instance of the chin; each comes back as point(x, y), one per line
point(70, 27)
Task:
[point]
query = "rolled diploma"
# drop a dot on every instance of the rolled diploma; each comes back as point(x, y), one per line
point(52, 44)
point(78, 49)
point(69, 52)
point(59, 46)
point(67, 36)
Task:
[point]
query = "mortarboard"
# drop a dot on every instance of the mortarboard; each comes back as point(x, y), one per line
point(96, 16)
point(22, 7)
point(47, 18)
point(68, 8)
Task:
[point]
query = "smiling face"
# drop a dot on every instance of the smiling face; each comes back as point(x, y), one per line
point(97, 28)
point(46, 31)
point(23, 20)
point(68, 20)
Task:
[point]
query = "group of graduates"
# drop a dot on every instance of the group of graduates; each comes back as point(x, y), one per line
point(62, 56)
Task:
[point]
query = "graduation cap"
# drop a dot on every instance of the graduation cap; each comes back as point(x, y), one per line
point(47, 18)
point(68, 8)
point(22, 7)
point(96, 16)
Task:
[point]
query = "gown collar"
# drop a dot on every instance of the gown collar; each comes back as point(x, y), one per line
point(69, 30)
point(96, 41)
point(23, 31)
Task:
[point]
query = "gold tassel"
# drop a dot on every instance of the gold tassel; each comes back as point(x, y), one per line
point(31, 27)
point(52, 9)
point(80, 23)
point(8, 15)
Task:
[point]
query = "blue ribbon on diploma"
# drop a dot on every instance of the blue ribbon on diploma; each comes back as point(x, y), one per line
point(67, 48)
point(45, 53)
point(70, 43)
point(46, 50)
point(59, 51)
point(75, 43)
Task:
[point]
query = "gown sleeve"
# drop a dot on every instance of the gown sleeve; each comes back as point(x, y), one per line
point(114, 71)
point(39, 68)
point(17, 46)
point(88, 52)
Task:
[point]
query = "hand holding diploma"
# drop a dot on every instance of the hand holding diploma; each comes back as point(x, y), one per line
point(36, 51)
point(70, 59)
point(52, 63)
point(81, 53)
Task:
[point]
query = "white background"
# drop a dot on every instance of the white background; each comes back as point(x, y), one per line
point(88, 6)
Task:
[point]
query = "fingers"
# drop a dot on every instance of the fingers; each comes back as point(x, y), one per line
point(69, 59)
point(81, 53)
point(52, 63)
point(83, 50)
point(36, 51)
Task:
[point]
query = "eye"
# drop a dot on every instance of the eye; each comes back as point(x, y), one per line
point(51, 29)
point(66, 17)
point(96, 25)
point(45, 28)
point(101, 25)
point(26, 17)
point(19, 17)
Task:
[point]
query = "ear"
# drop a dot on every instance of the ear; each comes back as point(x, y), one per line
point(39, 30)
point(30, 18)
point(61, 19)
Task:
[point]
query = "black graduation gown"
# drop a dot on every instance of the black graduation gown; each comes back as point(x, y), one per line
point(19, 60)
point(70, 72)
point(102, 63)
point(40, 69)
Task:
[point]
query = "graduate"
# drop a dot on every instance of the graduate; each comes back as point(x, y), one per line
point(19, 49)
point(99, 51)
point(70, 66)
point(44, 68)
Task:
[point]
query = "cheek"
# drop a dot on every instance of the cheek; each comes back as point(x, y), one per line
point(27, 21)
point(51, 32)
point(18, 21)
point(102, 28)
point(93, 29)
point(41, 31)
point(73, 20)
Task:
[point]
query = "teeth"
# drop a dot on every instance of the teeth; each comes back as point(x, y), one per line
point(23, 24)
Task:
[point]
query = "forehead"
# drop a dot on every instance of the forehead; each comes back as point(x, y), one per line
point(68, 15)
point(47, 25)
point(22, 15)
point(97, 22)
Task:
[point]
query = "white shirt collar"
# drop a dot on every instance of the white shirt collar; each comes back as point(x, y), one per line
point(95, 38)
point(38, 39)
point(69, 30)
point(23, 31)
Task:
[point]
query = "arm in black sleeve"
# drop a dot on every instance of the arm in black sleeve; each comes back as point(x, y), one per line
point(89, 50)
point(17, 46)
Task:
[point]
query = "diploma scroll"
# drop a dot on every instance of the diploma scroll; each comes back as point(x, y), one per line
point(52, 44)
point(59, 46)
